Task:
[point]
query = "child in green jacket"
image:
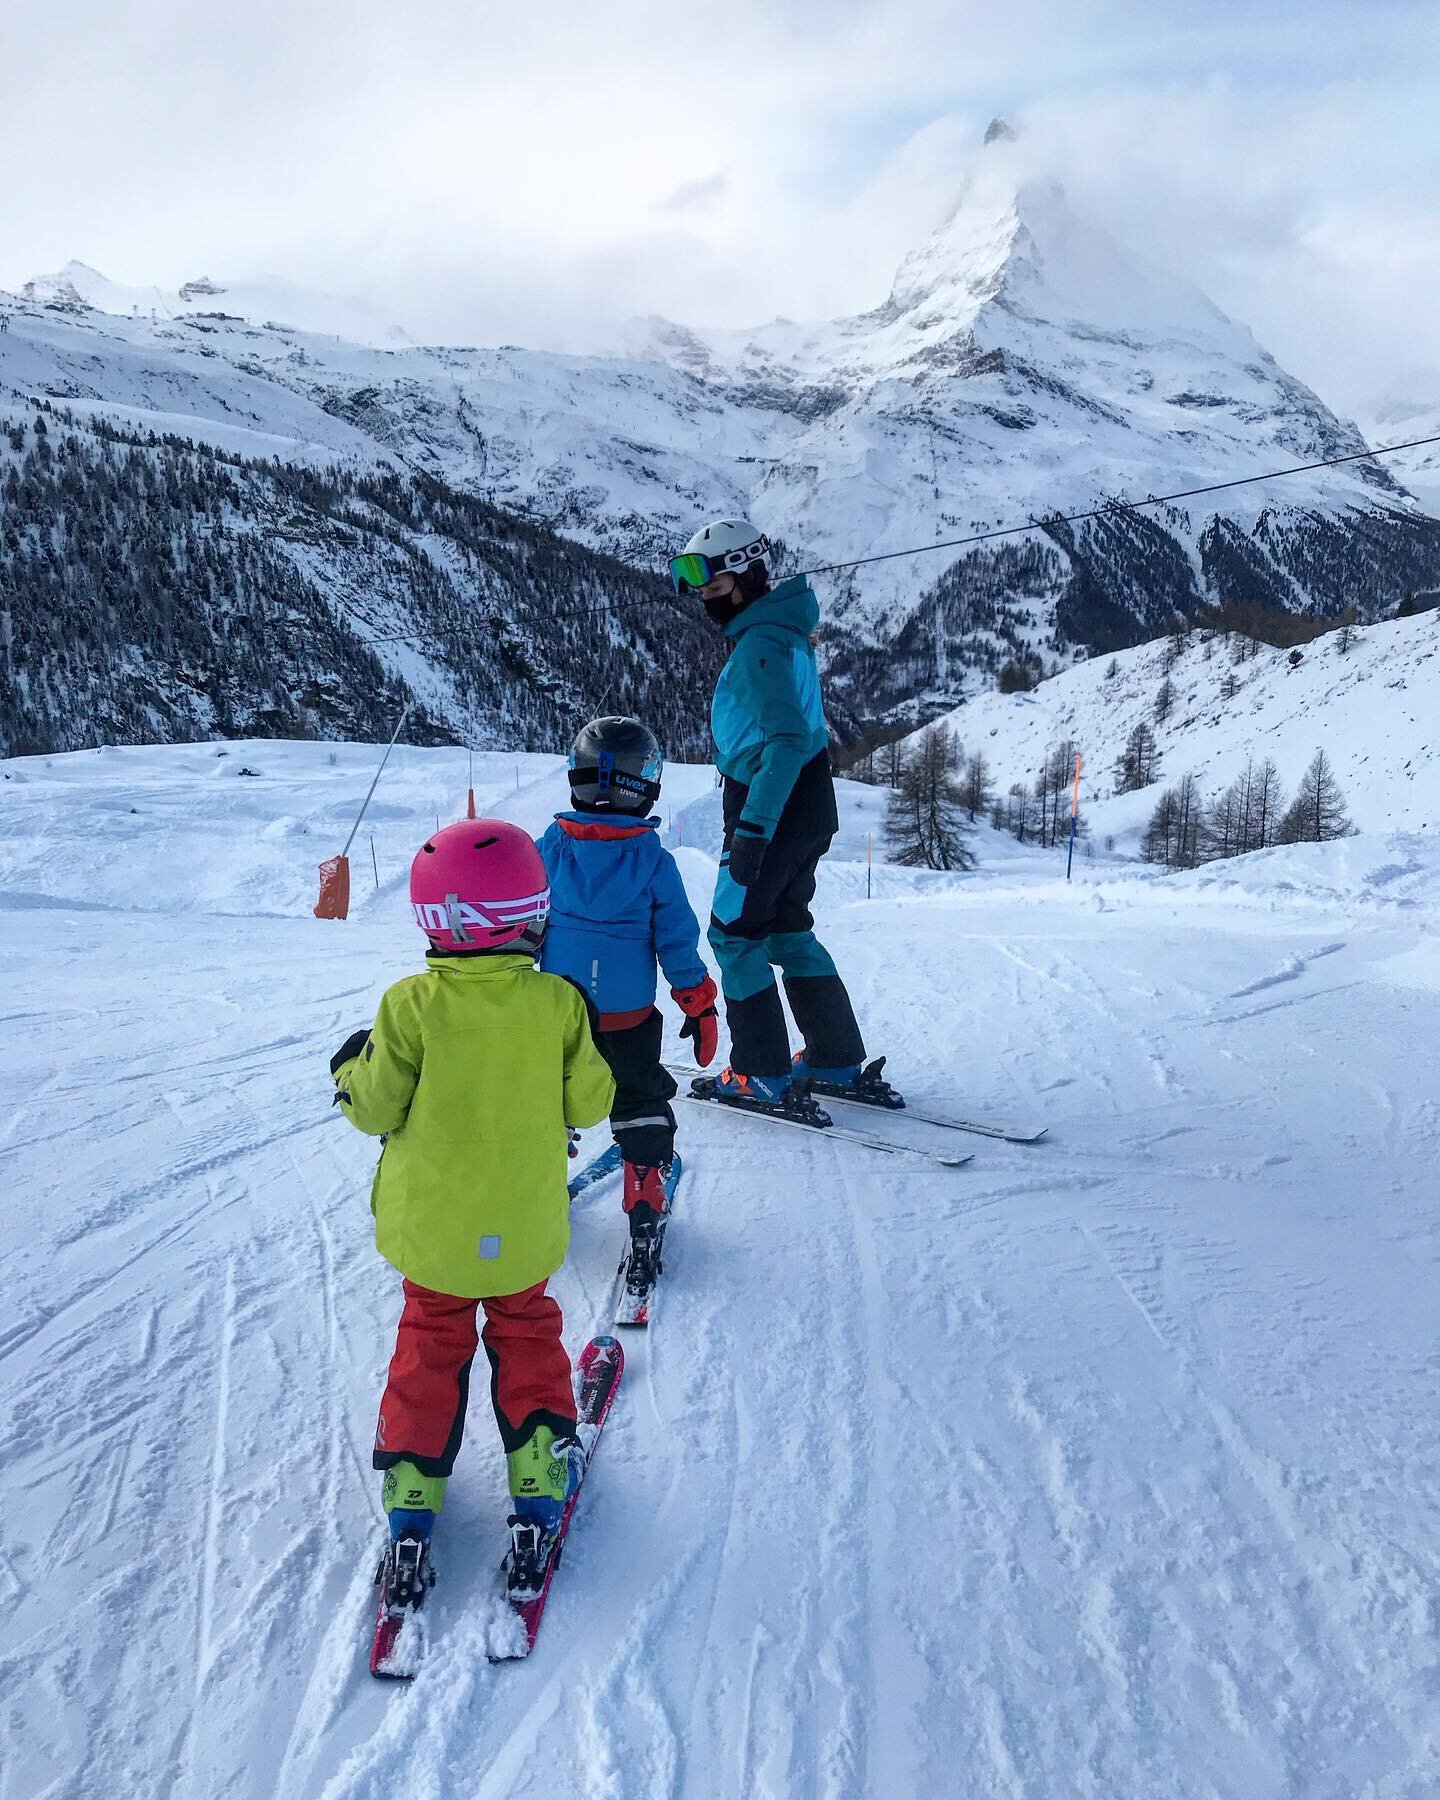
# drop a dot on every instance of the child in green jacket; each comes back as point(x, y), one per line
point(471, 1074)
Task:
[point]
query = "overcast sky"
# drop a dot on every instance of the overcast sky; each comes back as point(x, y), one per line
point(498, 173)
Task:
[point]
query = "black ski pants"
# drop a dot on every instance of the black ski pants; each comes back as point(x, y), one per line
point(641, 1118)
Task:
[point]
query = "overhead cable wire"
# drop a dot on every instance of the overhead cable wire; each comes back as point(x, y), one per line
point(1119, 506)
point(1047, 521)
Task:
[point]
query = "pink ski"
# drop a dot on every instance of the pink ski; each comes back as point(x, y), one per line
point(602, 1362)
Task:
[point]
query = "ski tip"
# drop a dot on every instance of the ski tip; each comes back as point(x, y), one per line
point(604, 1347)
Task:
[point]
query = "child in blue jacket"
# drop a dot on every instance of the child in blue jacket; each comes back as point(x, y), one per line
point(617, 906)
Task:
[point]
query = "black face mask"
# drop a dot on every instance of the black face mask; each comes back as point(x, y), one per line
point(724, 607)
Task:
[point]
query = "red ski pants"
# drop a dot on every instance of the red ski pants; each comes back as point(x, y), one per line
point(422, 1412)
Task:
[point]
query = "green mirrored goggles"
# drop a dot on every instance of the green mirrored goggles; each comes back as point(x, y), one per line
point(691, 571)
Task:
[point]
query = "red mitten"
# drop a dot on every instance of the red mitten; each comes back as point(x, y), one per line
point(701, 1024)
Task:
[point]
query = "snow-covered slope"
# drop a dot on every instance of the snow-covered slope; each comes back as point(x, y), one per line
point(1372, 708)
point(1104, 1468)
point(1023, 364)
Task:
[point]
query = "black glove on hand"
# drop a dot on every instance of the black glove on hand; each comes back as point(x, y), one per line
point(747, 852)
point(350, 1049)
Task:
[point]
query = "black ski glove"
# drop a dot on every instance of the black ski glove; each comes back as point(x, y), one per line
point(349, 1050)
point(747, 852)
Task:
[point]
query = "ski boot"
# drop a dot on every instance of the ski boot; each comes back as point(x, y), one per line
point(777, 1094)
point(544, 1474)
point(647, 1205)
point(866, 1085)
point(406, 1574)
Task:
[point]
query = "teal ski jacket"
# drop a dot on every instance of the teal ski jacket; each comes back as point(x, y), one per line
point(767, 715)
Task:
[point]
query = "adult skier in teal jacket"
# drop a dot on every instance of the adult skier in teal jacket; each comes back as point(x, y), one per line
point(772, 748)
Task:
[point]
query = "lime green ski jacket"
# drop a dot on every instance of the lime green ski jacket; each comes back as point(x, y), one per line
point(471, 1072)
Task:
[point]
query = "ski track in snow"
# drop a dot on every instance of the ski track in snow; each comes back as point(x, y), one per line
point(1102, 1467)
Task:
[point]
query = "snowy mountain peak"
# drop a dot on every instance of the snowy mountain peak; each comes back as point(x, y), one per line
point(1014, 241)
point(258, 300)
point(1001, 131)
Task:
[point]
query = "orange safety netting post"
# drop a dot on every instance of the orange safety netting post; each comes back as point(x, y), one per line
point(1074, 818)
point(470, 791)
point(334, 901)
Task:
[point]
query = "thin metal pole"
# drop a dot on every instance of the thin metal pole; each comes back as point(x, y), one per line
point(374, 784)
point(373, 863)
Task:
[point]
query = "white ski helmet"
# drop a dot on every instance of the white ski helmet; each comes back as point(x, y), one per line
point(724, 546)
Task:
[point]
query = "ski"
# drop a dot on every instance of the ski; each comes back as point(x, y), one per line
point(878, 1096)
point(640, 1266)
point(1011, 1134)
point(888, 1146)
point(606, 1163)
point(602, 1363)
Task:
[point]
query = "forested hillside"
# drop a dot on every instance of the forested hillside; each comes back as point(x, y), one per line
point(155, 588)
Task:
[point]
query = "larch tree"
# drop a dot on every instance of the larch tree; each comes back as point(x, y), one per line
point(1317, 813)
point(925, 827)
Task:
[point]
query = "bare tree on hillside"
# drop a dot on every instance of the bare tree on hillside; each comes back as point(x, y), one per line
point(1056, 777)
point(1245, 816)
point(1019, 811)
point(1173, 835)
point(1139, 762)
point(924, 823)
point(1263, 816)
point(1317, 813)
point(975, 789)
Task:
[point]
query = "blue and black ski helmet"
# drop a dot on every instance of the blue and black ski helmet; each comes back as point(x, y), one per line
point(615, 766)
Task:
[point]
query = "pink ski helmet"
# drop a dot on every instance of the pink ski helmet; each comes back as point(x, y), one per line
point(480, 885)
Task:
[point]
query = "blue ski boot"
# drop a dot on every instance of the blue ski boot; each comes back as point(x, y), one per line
point(762, 1090)
point(866, 1085)
point(778, 1095)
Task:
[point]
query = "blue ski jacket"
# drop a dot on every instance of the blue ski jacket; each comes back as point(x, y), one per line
point(767, 715)
point(617, 904)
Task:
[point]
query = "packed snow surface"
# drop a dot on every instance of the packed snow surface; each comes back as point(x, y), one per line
point(1105, 1467)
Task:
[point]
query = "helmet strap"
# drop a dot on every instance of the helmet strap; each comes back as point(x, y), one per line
point(457, 926)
